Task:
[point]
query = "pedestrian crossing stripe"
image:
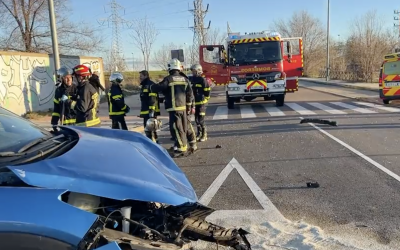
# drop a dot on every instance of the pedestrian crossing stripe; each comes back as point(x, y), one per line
point(336, 108)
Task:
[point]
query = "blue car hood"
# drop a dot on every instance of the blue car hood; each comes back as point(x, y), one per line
point(114, 164)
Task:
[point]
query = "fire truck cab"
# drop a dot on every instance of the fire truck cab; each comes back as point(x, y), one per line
point(389, 78)
point(258, 64)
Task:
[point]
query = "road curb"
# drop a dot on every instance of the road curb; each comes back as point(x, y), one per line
point(340, 85)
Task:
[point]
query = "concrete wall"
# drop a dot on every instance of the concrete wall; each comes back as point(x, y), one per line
point(27, 80)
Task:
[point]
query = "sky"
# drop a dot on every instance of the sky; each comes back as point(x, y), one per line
point(173, 19)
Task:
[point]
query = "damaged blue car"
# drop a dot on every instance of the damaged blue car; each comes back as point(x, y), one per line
point(92, 188)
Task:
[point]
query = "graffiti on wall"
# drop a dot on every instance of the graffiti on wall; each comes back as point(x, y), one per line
point(27, 81)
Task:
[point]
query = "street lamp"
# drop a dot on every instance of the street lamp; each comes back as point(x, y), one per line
point(54, 40)
point(327, 48)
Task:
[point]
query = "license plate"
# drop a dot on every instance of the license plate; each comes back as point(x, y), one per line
point(257, 87)
point(392, 84)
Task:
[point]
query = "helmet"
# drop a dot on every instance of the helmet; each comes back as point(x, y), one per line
point(198, 68)
point(174, 64)
point(82, 70)
point(116, 77)
point(153, 124)
point(63, 71)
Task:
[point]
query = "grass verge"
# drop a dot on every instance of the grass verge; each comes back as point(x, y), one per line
point(36, 115)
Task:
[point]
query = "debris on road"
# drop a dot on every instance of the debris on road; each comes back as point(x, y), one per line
point(313, 184)
point(320, 121)
point(218, 146)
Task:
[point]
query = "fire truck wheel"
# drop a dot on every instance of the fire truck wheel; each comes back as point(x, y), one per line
point(231, 103)
point(280, 100)
point(386, 101)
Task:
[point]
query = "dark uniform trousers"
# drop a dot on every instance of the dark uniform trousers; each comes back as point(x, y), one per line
point(181, 129)
point(199, 116)
point(118, 122)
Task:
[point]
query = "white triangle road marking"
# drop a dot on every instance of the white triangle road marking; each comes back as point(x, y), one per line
point(264, 201)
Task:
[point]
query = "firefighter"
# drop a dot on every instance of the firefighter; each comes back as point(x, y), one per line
point(63, 105)
point(178, 91)
point(117, 109)
point(150, 106)
point(201, 92)
point(86, 107)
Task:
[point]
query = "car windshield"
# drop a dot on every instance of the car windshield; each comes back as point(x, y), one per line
point(15, 132)
point(391, 68)
point(256, 53)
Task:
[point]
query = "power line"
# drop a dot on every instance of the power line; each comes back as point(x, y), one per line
point(116, 22)
point(396, 18)
point(199, 31)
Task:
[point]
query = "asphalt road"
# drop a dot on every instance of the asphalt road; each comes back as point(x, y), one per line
point(356, 199)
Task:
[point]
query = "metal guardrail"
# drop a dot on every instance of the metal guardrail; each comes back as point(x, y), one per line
point(350, 76)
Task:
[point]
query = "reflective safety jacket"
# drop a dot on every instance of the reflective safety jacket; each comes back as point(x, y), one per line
point(116, 101)
point(177, 90)
point(201, 90)
point(86, 107)
point(149, 99)
point(69, 113)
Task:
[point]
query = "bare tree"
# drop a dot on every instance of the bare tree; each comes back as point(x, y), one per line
point(144, 35)
point(109, 65)
point(302, 24)
point(163, 55)
point(367, 45)
point(27, 28)
point(216, 37)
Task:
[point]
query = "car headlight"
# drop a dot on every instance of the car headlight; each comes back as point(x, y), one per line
point(233, 88)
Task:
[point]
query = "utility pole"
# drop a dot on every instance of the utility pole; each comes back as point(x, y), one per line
point(199, 31)
point(54, 40)
point(327, 48)
point(116, 23)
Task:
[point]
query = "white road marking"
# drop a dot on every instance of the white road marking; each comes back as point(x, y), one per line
point(372, 105)
point(354, 108)
point(221, 113)
point(273, 111)
point(247, 112)
point(264, 201)
point(374, 163)
point(326, 108)
point(300, 109)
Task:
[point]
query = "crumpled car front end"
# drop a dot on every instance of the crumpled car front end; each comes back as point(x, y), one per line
point(138, 200)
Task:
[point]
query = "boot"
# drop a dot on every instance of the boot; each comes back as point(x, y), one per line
point(203, 135)
point(193, 148)
point(198, 136)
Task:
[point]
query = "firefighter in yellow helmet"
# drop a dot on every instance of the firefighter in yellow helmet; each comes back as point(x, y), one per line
point(117, 109)
point(179, 102)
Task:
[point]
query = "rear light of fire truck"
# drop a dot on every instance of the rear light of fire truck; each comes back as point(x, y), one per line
point(380, 82)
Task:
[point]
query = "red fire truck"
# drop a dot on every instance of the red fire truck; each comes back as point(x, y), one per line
point(258, 64)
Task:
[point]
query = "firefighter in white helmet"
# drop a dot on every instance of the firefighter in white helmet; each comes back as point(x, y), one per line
point(201, 92)
point(179, 102)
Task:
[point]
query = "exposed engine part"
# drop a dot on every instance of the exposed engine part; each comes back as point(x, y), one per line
point(150, 225)
point(320, 121)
